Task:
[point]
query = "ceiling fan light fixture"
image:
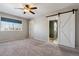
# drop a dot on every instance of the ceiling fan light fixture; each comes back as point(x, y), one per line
point(26, 10)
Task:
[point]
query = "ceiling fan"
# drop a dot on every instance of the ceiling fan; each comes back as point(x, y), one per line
point(28, 8)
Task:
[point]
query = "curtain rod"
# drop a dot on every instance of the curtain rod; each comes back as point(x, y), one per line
point(63, 12)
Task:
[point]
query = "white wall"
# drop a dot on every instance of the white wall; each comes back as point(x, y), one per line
point(14, 35)
point(38, 28)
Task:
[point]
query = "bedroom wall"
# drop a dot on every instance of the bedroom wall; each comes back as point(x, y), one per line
point(14, 35)
point(39, 26)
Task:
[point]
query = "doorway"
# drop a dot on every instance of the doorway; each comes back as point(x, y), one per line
point(53, 31)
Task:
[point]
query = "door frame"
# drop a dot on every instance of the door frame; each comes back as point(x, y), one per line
point(49, 19)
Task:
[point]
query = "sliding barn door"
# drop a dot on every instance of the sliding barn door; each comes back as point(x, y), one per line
point(67, 29)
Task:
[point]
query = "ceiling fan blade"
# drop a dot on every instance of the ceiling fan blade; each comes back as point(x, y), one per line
point(32, 12)
point(20, 8)
point(24, 12)
point(27, 6)
point(33, 8)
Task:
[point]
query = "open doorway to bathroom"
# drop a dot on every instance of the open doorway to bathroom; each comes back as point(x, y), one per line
point(53, 31)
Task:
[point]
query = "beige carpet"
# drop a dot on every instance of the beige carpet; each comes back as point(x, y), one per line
point(31, 47)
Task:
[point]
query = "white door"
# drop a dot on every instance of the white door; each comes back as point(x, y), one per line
point(67, 29)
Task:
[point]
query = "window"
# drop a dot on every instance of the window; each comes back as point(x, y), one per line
point(10, 24)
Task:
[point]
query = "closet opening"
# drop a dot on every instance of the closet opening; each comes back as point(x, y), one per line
point(53, 31)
